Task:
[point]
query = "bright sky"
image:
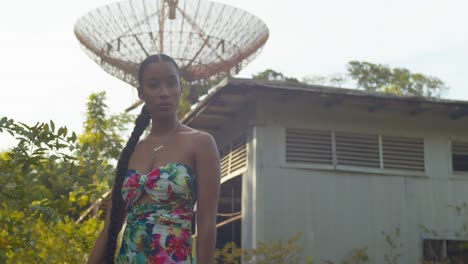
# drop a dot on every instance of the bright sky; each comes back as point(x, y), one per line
point(44, 73)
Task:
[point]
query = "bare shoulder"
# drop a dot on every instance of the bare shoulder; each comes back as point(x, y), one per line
point(204, 145)
point(199, 138)
point(203, 138)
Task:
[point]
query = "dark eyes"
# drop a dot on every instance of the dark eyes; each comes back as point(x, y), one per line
point(153, 84)
point(172, 83)
point(156, 84)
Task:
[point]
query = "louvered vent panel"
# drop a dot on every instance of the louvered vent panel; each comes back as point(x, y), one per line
point(354, 149)
point(224, 156)
point(309, 146)
point(403, 153)
point(460, 156)
point(239, 153)
point(234, 156)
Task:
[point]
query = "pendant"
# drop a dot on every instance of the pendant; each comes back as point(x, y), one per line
point(158, 148)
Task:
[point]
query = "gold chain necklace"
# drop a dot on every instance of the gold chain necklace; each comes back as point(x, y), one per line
point(167, 137)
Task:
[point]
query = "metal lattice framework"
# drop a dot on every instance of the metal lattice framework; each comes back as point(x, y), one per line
point(207, 39)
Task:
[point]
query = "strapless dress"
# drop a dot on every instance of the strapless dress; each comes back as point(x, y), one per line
point(159, 232)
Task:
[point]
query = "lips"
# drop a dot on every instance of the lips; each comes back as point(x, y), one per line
point(164, 106)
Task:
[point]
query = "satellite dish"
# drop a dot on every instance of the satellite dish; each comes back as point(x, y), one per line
point(207, 39)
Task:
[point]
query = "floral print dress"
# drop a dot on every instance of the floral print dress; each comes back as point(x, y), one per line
point(159, 233)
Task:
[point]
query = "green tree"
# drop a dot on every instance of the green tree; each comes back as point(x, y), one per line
point(37, 146)
point(103, 135)
point(272, 75)
point(34, 224)
point(193, 91)
point(370, 77)
point(381, 78)
point(100, 144)
point(49, 179)
point(38, 234)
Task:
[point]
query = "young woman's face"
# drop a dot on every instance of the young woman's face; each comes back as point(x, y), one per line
point(160, 88)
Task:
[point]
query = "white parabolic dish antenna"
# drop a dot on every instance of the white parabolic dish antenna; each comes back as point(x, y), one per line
point(207, 39)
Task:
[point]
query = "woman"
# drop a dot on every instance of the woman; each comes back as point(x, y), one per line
point(159, 179)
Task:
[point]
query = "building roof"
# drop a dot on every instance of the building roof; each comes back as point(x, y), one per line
point(231, 95)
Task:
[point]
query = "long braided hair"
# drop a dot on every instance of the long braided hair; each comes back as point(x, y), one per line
point(118, 204)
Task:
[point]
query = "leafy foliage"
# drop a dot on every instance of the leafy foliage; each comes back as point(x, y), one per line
point(382, 78)
point(392, 256)
point(461, 211)
point(40, 235)
point(49, 179)
point(279, 252)
point(229, 254)
point(263, 253)
point(358, 256)
point(271, 75)
point(193, 91)
point(370, 77)
point(38, 146)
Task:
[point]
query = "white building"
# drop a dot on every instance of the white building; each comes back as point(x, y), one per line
point(342, 166)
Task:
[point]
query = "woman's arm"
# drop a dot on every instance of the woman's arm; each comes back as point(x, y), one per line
point(208, 185)
point(98, 252)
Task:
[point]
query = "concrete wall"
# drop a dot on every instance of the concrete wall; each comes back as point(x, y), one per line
point(338, 211)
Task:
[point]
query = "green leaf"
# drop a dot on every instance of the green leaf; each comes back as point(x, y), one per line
point(25, 167)
point(61, 145)
point(52, 125)
point(3, 120)
point(24, 125)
